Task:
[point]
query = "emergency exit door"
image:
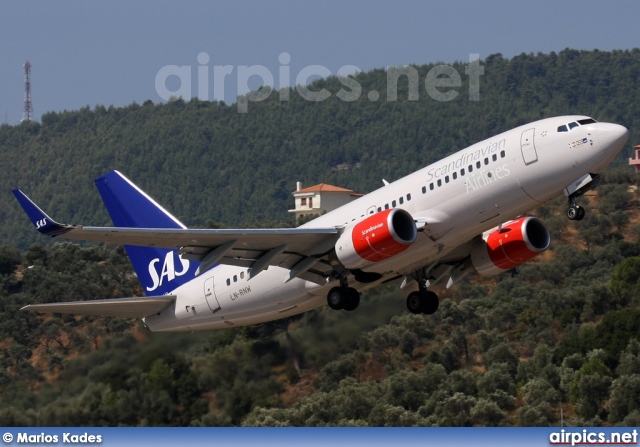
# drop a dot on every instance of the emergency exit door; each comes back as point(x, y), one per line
point(210, 295)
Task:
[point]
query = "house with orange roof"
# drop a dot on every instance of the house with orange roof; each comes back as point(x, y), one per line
point(319, 199)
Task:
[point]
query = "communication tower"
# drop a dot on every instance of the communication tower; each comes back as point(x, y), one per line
point(28, 108)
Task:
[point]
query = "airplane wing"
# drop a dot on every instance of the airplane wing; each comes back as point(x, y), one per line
point(254, 248)
point(135, 307)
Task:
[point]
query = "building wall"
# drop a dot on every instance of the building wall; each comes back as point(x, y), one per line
point(320, 202)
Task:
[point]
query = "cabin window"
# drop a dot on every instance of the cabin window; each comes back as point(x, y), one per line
point(494, 157)
point(393, 203)
point(446, 179)
point(424, 190)
point(455, 175)
point(462, 172)
point(408, 197)
point(503, 154)
point(478, 164)
point(228, 281)
point(235, 278)
point(431, 186)
point(401, 200)
point(439, 182)
point(486, 161)
point(470, 168)
point(386, 206)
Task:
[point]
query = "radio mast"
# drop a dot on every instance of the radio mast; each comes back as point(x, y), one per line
point(28, 108)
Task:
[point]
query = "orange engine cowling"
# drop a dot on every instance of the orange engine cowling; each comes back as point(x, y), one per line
point(376, 238)
point(503, 248)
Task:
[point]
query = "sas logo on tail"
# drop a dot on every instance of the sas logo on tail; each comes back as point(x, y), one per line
point(168, 272)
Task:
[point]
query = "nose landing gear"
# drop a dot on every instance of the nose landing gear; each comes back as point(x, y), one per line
point(576, 189)
point(575, 212)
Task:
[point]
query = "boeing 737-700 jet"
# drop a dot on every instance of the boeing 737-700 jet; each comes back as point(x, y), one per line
point(461, 214)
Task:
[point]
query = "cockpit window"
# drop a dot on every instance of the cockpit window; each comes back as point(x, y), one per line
point(573, 124)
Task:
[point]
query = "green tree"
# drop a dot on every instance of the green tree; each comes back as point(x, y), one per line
point(630, 360)
point(625, 397)
point(10, 258)
point(590, 386)
point(488, 413)
point(625, 281)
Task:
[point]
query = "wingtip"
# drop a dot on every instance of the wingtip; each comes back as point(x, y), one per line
point(43, 223)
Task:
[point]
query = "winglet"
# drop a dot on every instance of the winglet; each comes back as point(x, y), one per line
point(43, 223)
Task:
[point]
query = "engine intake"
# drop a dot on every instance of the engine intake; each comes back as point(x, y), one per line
point(506, 247)
point(376, 238)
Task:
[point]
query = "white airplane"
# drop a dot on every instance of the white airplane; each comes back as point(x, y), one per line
point(463, 213)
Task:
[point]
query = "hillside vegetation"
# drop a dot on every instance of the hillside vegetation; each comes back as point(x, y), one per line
point(556, 337)
point(206, 162)
point(556, 333)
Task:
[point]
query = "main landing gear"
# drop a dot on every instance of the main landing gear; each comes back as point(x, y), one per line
point(574, 212)
point(343, 297)
point(347, 298)
point(423, 301)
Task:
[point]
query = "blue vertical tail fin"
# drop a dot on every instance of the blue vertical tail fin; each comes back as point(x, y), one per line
point(159, 270)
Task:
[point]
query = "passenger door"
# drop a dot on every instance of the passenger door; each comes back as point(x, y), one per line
point(528, 147)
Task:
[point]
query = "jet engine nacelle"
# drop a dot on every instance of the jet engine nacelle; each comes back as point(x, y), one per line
point(503, 248)
point(376, 238)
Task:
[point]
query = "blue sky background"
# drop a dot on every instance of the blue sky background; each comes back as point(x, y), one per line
point(87, 53)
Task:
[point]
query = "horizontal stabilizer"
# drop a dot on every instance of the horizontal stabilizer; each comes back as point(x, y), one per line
point(136, 307)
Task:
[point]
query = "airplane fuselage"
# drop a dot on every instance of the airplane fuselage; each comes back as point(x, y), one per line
point(455, 199)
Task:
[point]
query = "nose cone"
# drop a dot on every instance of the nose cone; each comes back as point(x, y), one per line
point(612, 137)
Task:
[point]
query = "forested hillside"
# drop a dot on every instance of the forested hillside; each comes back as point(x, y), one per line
point(205, 162)
point(558, 337)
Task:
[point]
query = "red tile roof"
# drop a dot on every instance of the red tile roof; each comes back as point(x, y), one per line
point(323, 187)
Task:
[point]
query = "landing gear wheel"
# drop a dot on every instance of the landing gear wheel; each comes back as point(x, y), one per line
point(575, 212)
point(414, 302)
point(353, 299)
point(346, 298)
point(423, 302)
point(430, 303)
point(336, 298)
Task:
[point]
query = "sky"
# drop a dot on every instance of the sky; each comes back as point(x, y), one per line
point(88, 53)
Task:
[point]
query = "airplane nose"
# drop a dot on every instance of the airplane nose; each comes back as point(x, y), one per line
point(613, 136)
